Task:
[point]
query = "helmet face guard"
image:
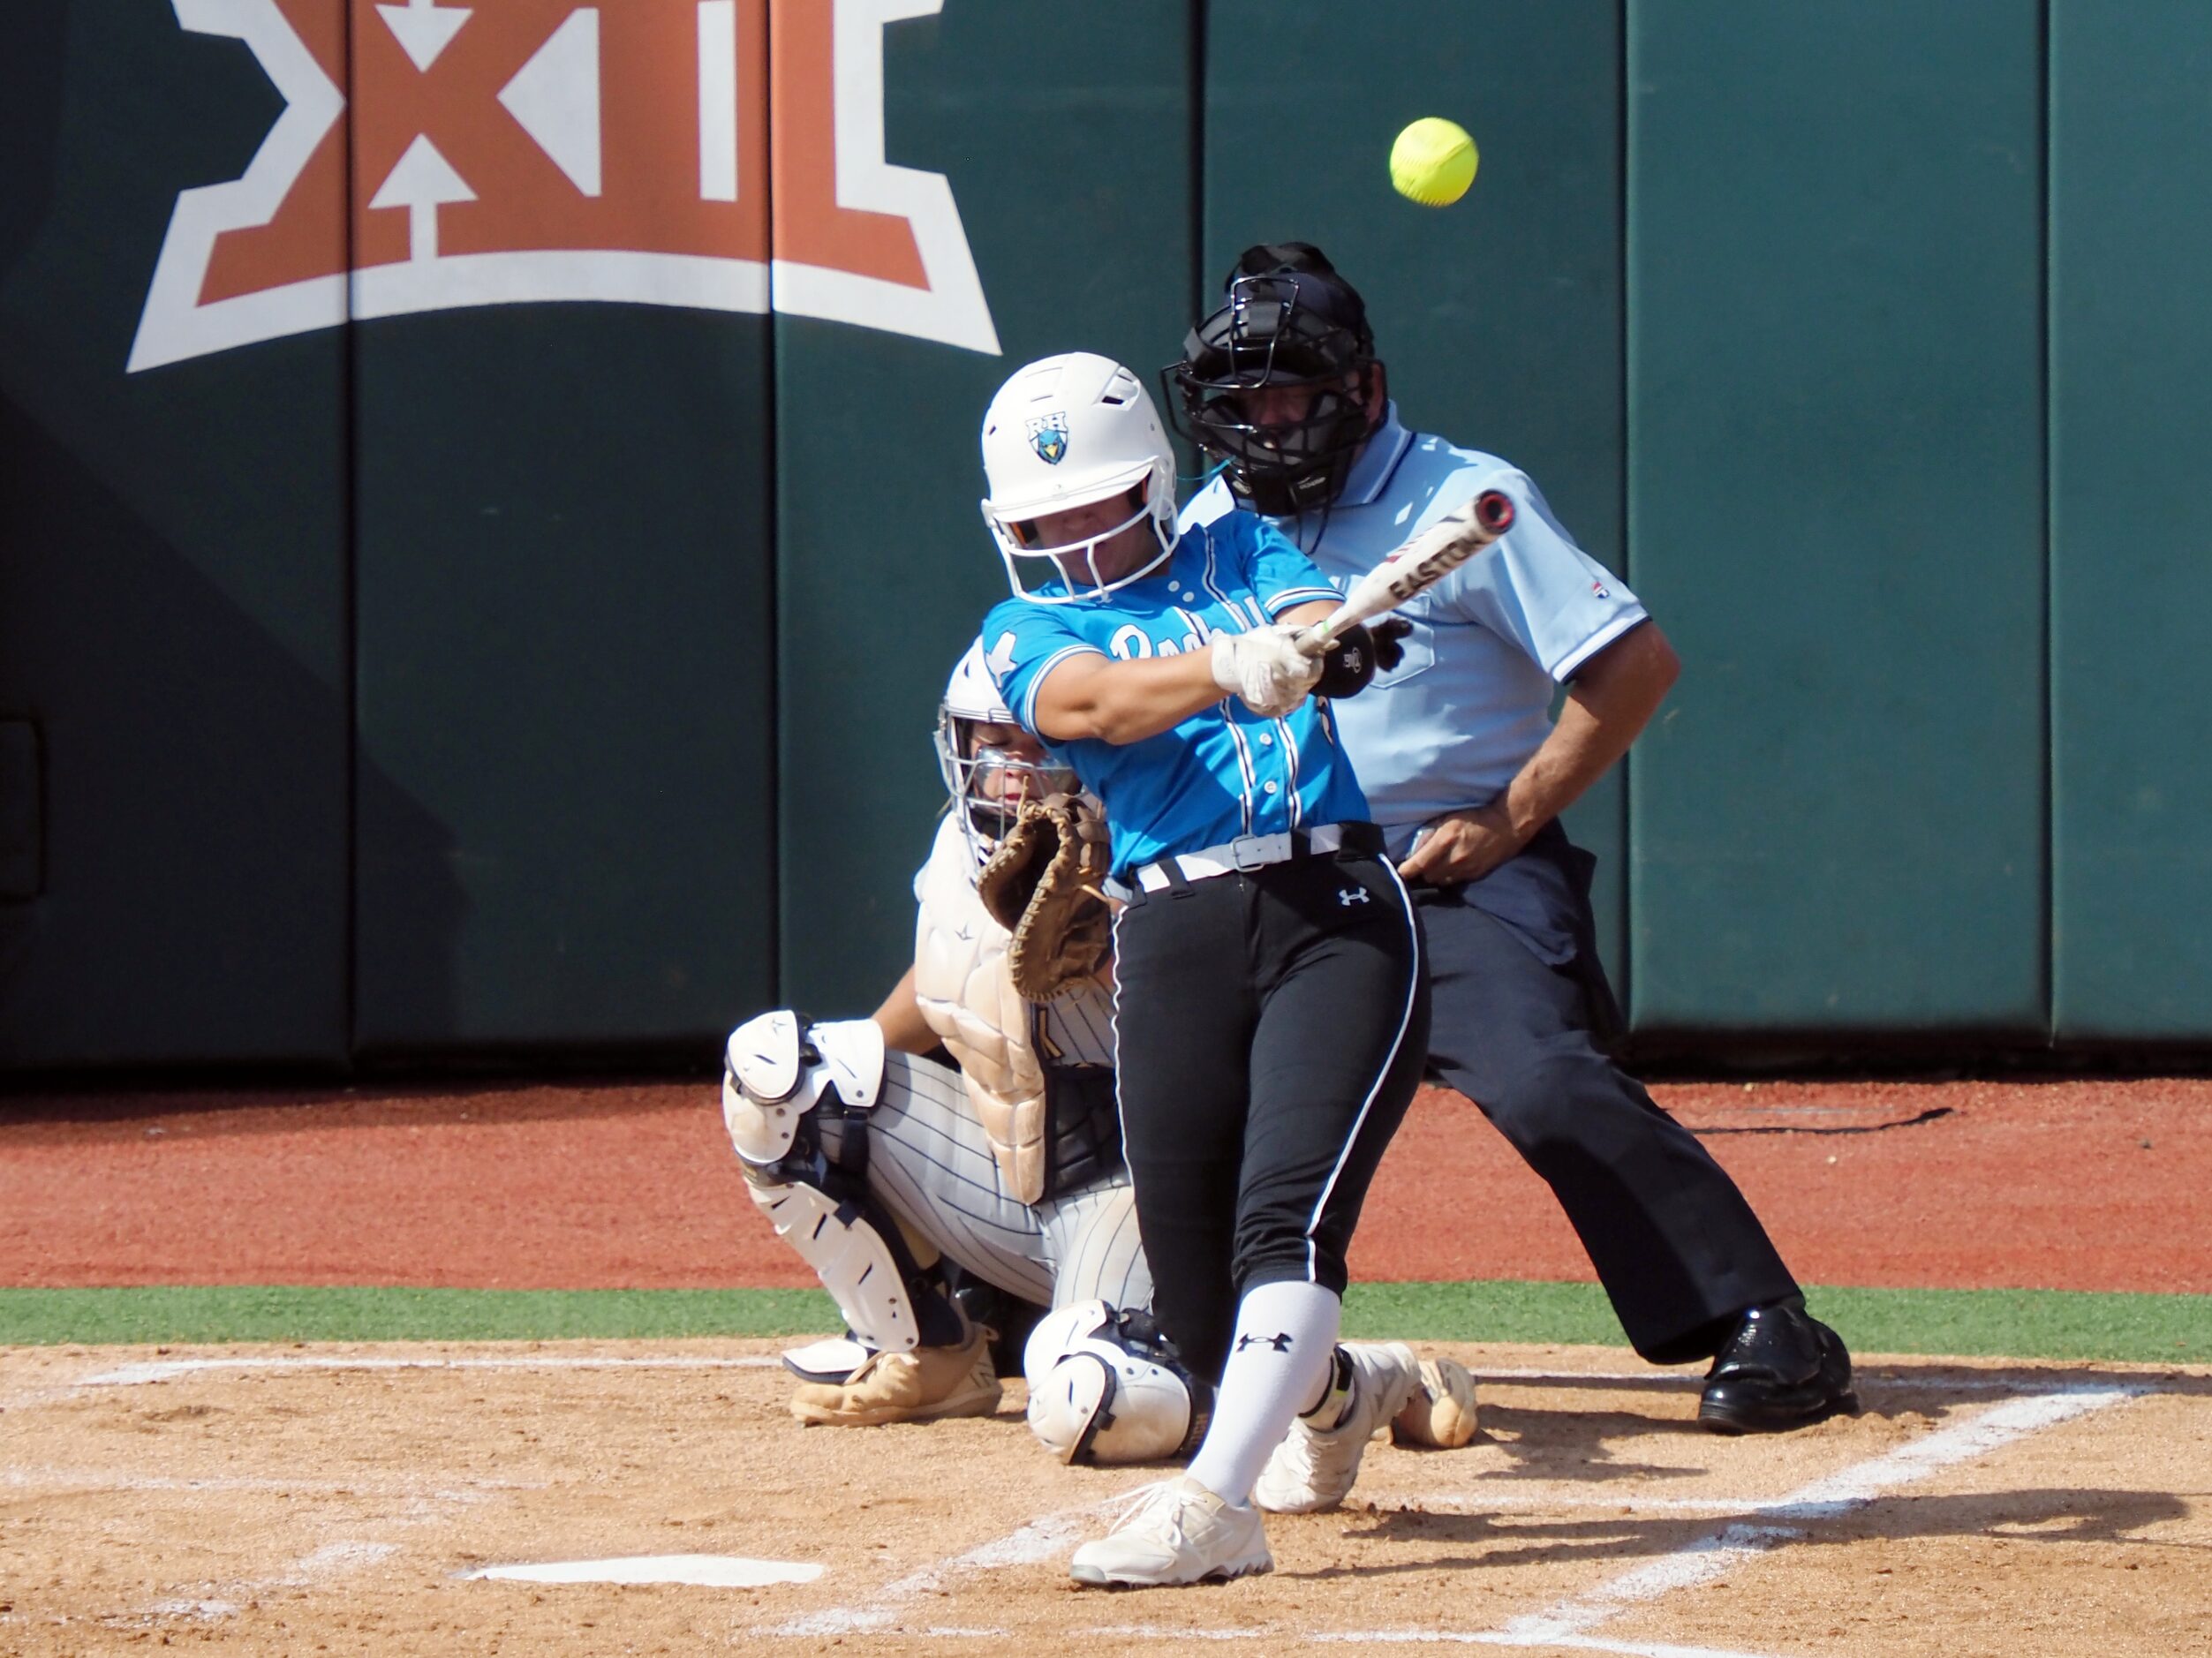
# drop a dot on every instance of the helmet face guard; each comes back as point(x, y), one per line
point(1064, 574)
point(1276, 331)
point(988, 785)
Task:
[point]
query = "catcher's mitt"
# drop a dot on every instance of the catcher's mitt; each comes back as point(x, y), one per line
point(1042, 884)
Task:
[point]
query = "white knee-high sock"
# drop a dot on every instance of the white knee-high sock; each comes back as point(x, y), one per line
point(1279, 1363)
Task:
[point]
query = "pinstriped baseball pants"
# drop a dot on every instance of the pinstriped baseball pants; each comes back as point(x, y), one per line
point(930, 1165)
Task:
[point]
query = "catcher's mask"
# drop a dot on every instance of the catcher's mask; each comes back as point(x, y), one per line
point(988, 781)
point(1288, 321)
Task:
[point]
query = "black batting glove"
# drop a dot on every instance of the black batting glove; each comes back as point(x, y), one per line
point(1349, 664)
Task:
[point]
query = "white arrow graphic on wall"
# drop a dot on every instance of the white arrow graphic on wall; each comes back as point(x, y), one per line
point(424, 29)
point(423, 182)
point(554, 98)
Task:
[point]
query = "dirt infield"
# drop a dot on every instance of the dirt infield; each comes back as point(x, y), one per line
point(2058, 1185)
point(294, 1500)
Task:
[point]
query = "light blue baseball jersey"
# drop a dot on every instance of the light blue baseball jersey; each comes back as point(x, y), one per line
point(1451, 726)
point(1224, 772)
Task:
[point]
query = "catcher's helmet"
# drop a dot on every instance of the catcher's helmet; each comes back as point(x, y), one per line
point(1290, 319)
point(1067, 432)
point(987, 783)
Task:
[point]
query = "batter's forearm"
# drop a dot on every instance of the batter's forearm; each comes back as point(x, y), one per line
point(1123, 702)
point(1126, 702)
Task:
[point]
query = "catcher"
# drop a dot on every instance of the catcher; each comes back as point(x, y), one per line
point(892, 1171)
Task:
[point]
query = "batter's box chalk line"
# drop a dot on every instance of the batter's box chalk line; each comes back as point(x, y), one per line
point(1567, 1624)
point(153, 1370)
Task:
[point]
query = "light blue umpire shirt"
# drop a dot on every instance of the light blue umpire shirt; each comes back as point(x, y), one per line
point(1454, 722)
point(1225, 770)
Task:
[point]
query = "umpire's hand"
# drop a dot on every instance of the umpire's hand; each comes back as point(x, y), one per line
point(1462, 846)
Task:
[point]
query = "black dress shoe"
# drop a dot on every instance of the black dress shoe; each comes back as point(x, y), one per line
point(1783, 1369)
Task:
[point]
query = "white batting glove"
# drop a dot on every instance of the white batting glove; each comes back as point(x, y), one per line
point(1269, 674)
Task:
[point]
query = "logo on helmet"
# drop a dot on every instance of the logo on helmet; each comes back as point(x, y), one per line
point(1048, 436)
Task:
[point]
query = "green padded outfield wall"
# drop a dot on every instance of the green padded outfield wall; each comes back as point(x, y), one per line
point(1064, 133)
point(563, 529)
point(2131, 516)
point(1836, 499)
point(1499, 320)
point(172, 576)
point(444, 613)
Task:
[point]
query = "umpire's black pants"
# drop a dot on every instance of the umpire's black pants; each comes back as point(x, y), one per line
point(1677, 1248)
point(1270, 1031)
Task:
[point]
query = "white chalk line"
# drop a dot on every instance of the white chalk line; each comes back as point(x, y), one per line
point(1038, 1541)
point(155, 1371)
point(168, 1370)
point(1714, 1556)
point(33, 1478)
point(1568, 1624)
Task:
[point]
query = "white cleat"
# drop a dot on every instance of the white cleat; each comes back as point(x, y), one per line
point(1176, 1532)
point(1313, 1469)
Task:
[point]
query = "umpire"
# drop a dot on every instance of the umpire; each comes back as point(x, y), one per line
point(1467, 772)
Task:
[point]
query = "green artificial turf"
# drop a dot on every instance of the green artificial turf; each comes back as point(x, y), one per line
point(1972, 1324)
point(1994, 1323)
point(284, 1313)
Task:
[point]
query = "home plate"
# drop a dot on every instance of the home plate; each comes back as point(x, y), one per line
point(708, 1572)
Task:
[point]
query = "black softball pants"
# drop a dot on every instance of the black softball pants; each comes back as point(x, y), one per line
point(1270, 1028)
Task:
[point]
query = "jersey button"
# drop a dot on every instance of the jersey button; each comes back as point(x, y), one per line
point(1270, 789)
point(1266, 738)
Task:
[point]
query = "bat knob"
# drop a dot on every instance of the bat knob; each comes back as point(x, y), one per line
point(1494, 510)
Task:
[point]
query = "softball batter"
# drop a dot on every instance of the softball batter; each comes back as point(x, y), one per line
point(1272, 1010)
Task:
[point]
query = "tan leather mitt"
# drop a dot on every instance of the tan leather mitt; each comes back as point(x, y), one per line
point(1042, 884)
point(1440, 1412)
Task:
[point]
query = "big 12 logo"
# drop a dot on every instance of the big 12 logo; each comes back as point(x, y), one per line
point(692, 153)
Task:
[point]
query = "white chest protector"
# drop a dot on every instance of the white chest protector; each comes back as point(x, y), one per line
point(960, 983)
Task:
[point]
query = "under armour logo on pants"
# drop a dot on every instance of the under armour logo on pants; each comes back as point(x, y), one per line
point(1280, 1343)
point(1351, 895)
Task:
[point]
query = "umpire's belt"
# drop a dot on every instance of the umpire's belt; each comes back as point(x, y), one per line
point(1246, 854)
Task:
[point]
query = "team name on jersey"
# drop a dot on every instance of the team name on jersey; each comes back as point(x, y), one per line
point(1179, 629)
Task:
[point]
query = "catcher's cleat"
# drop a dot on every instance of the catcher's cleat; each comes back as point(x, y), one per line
point(1783, 1369)
point(1314, 1468)
point(1176, 1532)
point(1439, 1413)
point(906, 1387)
point(830, 1360)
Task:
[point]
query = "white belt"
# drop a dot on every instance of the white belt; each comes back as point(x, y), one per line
point(1242, 855)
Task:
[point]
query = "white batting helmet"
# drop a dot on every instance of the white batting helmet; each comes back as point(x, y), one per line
point(1067, 432)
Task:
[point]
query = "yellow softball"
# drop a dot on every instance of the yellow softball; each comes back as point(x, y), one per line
point(1433, 162)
